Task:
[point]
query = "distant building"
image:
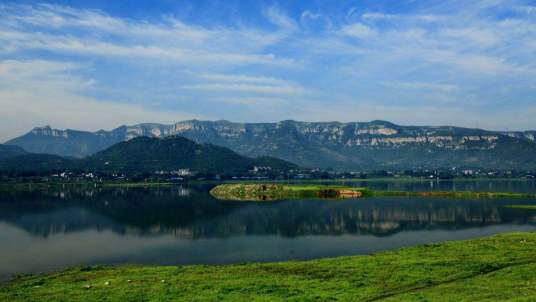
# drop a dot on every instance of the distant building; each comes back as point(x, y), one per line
point(184, 172)
point(468, 172)
point(257, 169)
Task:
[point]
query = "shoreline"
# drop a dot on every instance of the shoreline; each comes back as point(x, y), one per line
point(314, 180)
point(496, 267)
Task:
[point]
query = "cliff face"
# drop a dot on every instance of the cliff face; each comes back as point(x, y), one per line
point(376, 144)
point(71, 143)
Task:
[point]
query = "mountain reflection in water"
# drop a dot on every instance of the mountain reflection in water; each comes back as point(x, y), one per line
point(196, 228)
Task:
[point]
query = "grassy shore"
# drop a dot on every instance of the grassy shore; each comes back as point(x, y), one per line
point(500, 267)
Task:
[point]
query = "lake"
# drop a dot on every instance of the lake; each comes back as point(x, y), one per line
point(54, 228)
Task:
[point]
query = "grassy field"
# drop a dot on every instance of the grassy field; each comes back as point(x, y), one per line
point(501, 267)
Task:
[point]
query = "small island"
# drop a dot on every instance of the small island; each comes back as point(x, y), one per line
point(276, 191)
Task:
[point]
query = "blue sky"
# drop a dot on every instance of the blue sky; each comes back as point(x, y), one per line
point(99, 64)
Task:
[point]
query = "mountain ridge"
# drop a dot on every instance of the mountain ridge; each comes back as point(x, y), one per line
point(340, 145)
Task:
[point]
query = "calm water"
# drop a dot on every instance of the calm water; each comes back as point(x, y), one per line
point(43, 230)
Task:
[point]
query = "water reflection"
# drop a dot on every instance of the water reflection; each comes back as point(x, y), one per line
point(192, 213)
point(514, 185)
point(53, 228)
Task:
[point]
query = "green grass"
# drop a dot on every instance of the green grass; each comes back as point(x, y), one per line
point(380, 179)
point(501, 267)
point(521, 206)
point(273, 191)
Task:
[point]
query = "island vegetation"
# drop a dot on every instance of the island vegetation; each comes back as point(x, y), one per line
point(500, 267)
point(275, 191)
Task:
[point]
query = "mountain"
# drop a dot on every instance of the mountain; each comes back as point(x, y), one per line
point(7, 151)
point(68, 142)
point(344, 146)
point(36, 163)
point(148, 154)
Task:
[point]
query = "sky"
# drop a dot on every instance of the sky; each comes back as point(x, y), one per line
point(100, 64)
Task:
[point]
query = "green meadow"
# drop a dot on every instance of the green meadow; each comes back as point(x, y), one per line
point(500, 267)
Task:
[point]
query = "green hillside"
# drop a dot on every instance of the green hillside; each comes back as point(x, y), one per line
point(7, 151)
point(144, 154)
point(36, 163)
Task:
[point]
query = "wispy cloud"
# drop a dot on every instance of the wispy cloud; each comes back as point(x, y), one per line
point(358, 30)
point(256, 85)
point(92, 47)
point(239, 87)
point(49, 28)
point(279, 18)
point(429, 86)
point(393, 17)
point(240, 78)
point(39, 92)
point(478, 36)
point(307, 14)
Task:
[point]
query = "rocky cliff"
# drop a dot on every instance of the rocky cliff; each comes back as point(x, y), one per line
point(376, 144)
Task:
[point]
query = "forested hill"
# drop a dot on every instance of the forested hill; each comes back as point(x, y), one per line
point(145, 154)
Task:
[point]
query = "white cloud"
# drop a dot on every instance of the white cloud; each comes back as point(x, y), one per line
point(476, 63)
point(257, 87)
point(169, 40)
point(242, 78)
point(67, 44)
point(279, 18)
point(526, 9)
point(407, 18)
point(248, 101)
point(251, 88)
point(378, 16)
point(358, 30)
point(308, 15)
point(428, 53)
point(478, 36)
point(45, 92)
point(445, 88)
